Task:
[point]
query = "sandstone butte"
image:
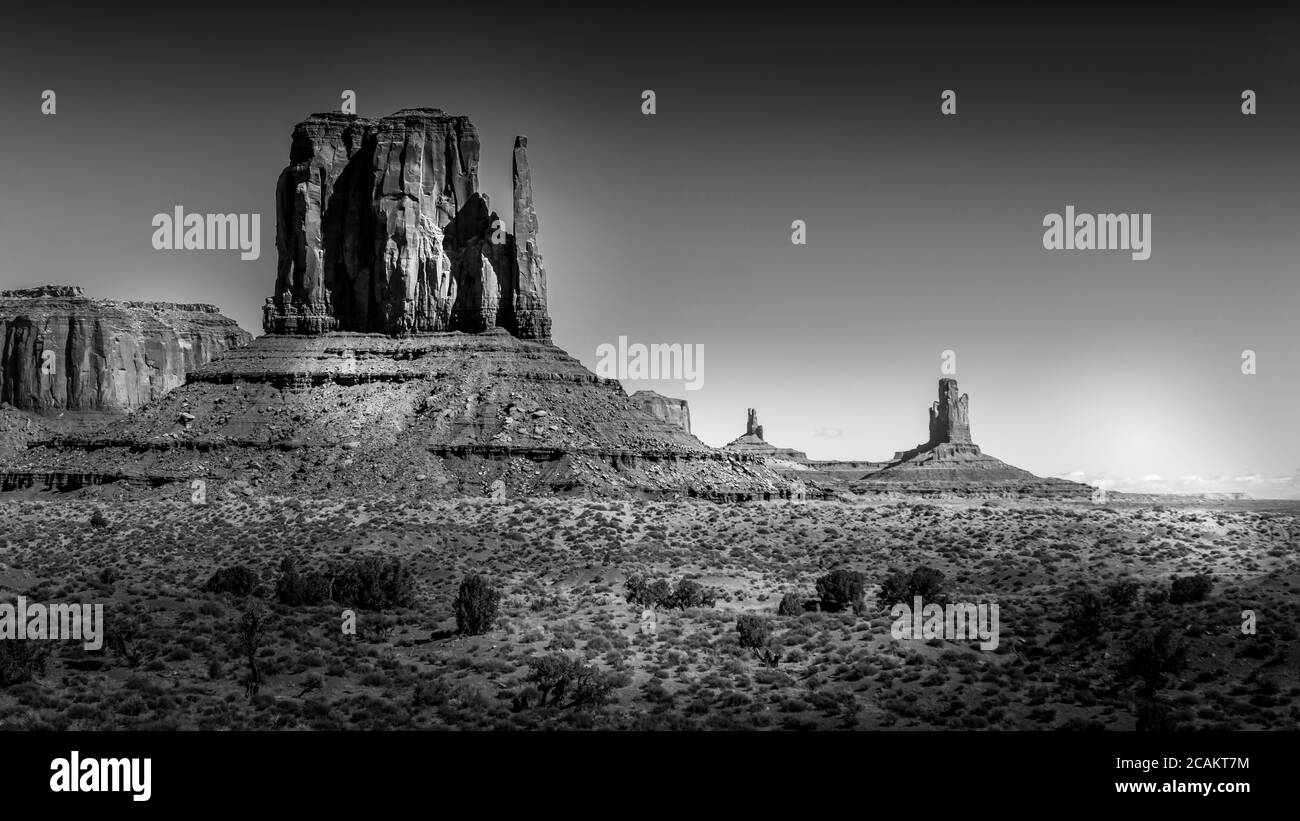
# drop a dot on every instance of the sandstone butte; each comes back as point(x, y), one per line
point(407, 353)
point(64, 355)
point(948, 463)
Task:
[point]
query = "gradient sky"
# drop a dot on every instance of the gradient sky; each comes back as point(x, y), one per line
point(924, 231)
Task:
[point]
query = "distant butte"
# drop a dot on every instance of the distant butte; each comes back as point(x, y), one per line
point(752, 443)
point(947, 463)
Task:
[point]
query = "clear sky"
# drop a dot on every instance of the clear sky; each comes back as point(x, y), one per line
point(924, 232)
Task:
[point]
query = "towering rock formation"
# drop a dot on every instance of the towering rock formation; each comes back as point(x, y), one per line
point(950, 416)
point(753, 444)
point(531, 320)
point(949, 462)
point(384, 244)
point(381, 228)
point(62, 352)
point(674, 411)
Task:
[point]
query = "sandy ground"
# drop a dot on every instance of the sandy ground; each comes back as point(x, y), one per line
point(561, 566)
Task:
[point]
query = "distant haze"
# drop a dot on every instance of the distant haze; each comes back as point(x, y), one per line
point(924, 232)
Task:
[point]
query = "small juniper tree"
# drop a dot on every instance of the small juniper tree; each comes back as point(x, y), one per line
point(252, 630)
point(476, 606)
point(756, 634)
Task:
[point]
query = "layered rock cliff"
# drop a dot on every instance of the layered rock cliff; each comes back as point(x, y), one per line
point(62, 352)
point(673, 411)
point(381, 228)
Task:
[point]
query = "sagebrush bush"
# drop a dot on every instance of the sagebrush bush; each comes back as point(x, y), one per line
point(476, 606)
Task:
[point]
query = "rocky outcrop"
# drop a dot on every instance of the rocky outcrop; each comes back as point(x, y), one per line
point(63, 353)
point(673, 411)
point(753, 444)
point(408, 354)
point(444, 414)
point(381, 228)
point(950, 463)
point(950, 415)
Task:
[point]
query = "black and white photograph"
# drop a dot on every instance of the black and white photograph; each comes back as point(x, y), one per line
point(563, 374)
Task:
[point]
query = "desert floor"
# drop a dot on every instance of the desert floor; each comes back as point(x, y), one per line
point(173, 658)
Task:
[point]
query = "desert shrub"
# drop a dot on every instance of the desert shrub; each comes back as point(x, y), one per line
point(1156, 595)
point(98, 519)
point(903, 587)
point(22, 660)
point(555, 675)
point(756, 634)
point(1150, 658)
point(374, 583)
point(1084, 617)
point(1122, 593)
point(109, 575)
point(659, 593)
point(237, 580)
point(839, 589)
point(1184, 589)
point(692, 594)
point(1155, 717)
point(250, 632)
point(126, 635)
point(791, 605)
point(476, 606)
point(295, 589)
point(754, 631)
point(651, 594)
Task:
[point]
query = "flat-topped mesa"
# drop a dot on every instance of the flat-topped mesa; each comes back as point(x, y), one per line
point(64, 354)
point(381, 228)
point(950, 416)
point(666, 408)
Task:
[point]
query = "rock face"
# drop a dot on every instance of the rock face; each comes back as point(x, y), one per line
point(381, 228)
point(950, 416)
point(62, 352)
point(752, 428)
point(673, 411)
